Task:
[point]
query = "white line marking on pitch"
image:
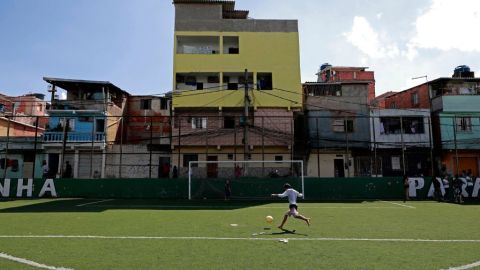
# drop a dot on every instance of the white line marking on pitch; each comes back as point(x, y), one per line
point(244, 238)
point(400, 204)
point(31, 263)
point(90, 203)
point(463, 267)
point(241, 206)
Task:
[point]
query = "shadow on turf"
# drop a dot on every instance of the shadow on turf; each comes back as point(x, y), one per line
point(95, 205)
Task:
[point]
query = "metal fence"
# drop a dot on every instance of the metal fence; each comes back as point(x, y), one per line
point(161, 146)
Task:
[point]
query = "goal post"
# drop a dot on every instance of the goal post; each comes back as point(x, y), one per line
point(250, 179)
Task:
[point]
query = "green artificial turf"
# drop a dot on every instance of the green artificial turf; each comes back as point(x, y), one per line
point(349, 222)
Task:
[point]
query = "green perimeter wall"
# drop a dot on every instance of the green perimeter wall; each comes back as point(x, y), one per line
point(243, 188)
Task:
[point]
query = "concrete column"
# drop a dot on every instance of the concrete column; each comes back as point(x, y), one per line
point(75, 163)
point(103, 162)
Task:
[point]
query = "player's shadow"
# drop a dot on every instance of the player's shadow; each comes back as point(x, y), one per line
point(284, 232)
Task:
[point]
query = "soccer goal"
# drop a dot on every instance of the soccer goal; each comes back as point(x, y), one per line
point(251, 179)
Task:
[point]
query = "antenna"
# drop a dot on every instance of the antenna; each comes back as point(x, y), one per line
point(424, 76)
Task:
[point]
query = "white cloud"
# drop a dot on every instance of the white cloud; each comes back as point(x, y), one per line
point(448, 25)
point(379, 15)
point(368, 41)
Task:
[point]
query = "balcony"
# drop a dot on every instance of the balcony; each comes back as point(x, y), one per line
point(77, 137)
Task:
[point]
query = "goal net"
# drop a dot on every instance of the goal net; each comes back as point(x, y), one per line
point(249, 180)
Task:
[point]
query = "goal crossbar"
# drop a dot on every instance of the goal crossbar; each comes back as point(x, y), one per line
point(242, 162)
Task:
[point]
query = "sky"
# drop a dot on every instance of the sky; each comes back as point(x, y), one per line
point(130, 43)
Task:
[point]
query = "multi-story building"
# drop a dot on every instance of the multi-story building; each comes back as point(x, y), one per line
point(332, 74)
point(80, 127)
point(338, 128)
point(22, 122)
point(453, 102)
point(218, 53)
point(143, 148)
point(401, 142)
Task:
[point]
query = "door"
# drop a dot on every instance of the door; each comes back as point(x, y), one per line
point(53, 160)
point(89, 164)
point(212, 168)
point(339, 167)
point(164, 167)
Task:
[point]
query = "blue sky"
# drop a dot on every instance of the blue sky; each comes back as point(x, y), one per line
point(130, 42)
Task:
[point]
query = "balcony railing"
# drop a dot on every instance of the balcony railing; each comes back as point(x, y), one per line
point(74, 137)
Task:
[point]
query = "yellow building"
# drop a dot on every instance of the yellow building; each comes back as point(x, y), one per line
point(217, 52)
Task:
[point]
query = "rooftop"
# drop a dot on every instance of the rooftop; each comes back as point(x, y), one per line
point(75, 85)
point(228, 7)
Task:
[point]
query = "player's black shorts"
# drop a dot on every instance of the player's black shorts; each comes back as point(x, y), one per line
point(293, 205)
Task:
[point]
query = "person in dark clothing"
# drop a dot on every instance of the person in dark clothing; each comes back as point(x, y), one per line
point(228, 189)
point(406, 186)
point(68, 170)
point(175, 172)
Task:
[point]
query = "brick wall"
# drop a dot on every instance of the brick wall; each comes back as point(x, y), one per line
point(403, 100)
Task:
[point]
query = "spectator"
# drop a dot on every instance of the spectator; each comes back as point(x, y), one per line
point(175, 172)
point(406, 187)
point(228, 189)
point(68, 170)
point(45, 169)
point(238, 171)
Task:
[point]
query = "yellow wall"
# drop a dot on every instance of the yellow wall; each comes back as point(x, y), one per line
point(276, 52)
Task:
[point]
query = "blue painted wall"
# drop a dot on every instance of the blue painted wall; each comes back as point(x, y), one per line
point(327, 138)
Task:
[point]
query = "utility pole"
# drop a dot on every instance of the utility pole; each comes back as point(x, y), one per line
point(52, 90)
point(64, 143)
point(245, 122)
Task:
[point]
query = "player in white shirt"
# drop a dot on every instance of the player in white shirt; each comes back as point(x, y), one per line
point(292, 195)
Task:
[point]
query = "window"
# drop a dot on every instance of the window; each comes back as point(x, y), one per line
point(71, 123)
point(317, 90)
point(229, 122)
point(231, 45)
point(198, 45)
point(199, 122)
point(393, 105)
point(163, 104)
point(100, 125)
point(339, 125)
point(145, 104)
point(415, 99)
point(464, 124)
point(2, 107)
point(85, 119)
point(264, 81)
point(230, 156)
point(411, 125)
point(232, 86)
point(199, 86)
point(190, 157)
point(39, 107)
point(213, 79)
point(278, 158)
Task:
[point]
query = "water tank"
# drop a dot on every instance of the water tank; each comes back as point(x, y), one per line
point(463, 71)
point(324, 66)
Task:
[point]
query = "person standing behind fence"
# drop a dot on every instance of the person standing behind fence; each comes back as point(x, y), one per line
point(228, 189)
point(68, 170)
point(45, 170)
point(175, 172)
point(406, 187)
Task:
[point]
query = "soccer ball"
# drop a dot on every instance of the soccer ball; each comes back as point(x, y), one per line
point(269, 219)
